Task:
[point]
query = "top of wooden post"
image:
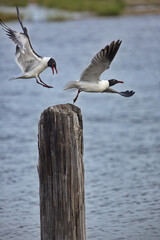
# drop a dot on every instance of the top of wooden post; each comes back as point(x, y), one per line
point(66, 109)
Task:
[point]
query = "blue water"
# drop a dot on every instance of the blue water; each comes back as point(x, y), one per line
point(121, 135)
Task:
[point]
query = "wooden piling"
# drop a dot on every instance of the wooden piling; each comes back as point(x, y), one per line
point(61, 174)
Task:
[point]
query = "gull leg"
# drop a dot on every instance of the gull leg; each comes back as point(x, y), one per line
point(75, 99)
point(45, 85)
point(42, 83)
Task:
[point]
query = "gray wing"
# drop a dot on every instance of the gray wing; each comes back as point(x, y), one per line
point(124, 94)
point(25, 57)
point(100, 62)
point(25, 32)
point(27, 61)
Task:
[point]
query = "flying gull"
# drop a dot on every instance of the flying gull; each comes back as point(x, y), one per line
point(90, 77)
point(27, 59)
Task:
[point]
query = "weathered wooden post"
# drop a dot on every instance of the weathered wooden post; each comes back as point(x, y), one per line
point(61, 174)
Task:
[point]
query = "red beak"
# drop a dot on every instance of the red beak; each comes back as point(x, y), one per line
point(120, 82)
point(53, 70)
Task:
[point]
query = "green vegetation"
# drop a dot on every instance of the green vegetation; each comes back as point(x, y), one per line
point(8, 16)
point(14, 2)
point(107, 8)
point(100, 7)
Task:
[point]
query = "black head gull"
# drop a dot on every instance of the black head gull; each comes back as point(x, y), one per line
point(90, 77)
point(27, 59)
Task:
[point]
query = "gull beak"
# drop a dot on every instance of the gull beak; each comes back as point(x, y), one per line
point(55, 69)
point(120, 82)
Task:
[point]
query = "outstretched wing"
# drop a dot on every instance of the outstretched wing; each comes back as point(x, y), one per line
point(25, 32)
point(100, 62)
point(124, 94)
point(25, 57)
point(20, 21)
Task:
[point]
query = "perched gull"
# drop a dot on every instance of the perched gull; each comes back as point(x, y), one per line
point(90, 77)
point(27, 59)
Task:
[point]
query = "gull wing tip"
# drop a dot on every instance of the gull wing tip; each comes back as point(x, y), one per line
point(127, 93)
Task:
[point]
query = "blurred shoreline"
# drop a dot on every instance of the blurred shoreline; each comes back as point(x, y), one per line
point(35, 12)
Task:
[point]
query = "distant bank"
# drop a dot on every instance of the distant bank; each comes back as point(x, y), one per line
point(76, 9)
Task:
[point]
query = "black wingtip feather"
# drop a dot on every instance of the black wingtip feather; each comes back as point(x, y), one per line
point(113, 49)
point(9, 32)
point(3, 24)
point(20, 21)
point(127, 93)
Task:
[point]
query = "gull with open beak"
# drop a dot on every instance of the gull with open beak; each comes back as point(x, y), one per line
point(27, 59)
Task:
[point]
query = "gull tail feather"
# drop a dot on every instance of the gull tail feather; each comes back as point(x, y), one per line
point(70, 85)
point(19, 77)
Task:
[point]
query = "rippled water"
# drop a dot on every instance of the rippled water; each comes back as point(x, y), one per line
point(121, 136)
